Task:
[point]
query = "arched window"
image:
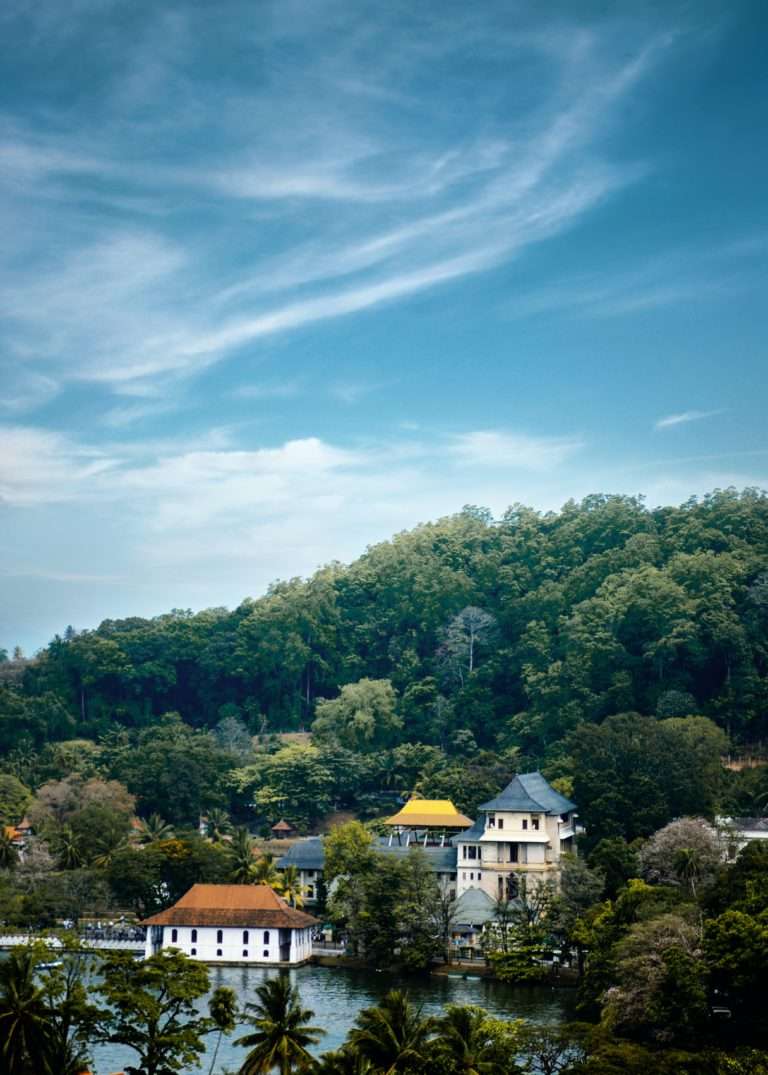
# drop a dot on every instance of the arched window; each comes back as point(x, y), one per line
point(194, 936)
point(266, 936)
point(174, 936)
point(219, 936)
point(245, 936)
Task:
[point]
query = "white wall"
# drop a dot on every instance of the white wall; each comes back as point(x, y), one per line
point(261, 946)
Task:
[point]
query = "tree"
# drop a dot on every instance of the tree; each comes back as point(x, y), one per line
point(282, 1031)
point(152, 1010)
point(736, 947)
point(9, 854)
point(14, 799)
point(468, 631)
point(348, 849)
point(23, 1014)
point(241, 857)
point(222, 1008)
point(661, 993)
point(218, 825)
point(633, 774)
point(467, 1042)
point(616, 861)
point(362, 718)
point(393, 1036)
point(174, 770)
point(291, 888)
point(685, 852)
point(154, 829)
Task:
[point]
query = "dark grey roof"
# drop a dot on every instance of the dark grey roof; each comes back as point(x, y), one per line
point(470, 836)
point(473, 908)
point(307, 854)
point(531, 794)
point(439, 859)
point(543, 792)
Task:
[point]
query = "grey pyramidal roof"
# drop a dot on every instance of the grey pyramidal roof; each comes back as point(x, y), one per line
point(473, 908)
point(531, 794)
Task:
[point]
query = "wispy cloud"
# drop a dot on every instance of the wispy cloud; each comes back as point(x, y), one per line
point(683, 418)
point(268, 390)
point(129, 302)
point(513, 451)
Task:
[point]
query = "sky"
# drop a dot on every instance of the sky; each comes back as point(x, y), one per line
point(280, 279)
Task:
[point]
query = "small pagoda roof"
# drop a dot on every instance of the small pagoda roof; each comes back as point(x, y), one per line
point(232, 905)
point(429, 813)
point(282, 826)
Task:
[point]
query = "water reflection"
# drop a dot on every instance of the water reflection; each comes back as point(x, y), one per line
point(336, 996)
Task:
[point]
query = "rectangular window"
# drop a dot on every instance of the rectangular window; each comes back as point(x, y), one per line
point(525, 823)
point(535, 824)
point(473, 852)
point(218, 951)
point(245, 953)
point(219, 936)
point(266, 954)
point(501, 822)
point(194, 936)
point(245, 936)
point(266, 936)
point(491, 821)
point(463, 851)
point(193, 951)
point(513, 853)
point(174, 936)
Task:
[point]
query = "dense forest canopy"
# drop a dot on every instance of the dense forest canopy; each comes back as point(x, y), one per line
point(606, 606)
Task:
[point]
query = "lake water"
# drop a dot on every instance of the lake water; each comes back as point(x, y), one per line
point(336, 995)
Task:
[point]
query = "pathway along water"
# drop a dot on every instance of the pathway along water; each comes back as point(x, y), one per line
point(337, 995)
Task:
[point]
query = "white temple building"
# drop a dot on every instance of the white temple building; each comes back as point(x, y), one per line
point(233, 924)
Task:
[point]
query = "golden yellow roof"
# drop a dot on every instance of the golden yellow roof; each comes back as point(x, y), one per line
point(423, 813)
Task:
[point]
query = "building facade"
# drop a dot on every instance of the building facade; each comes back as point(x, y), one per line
point(522, 832)
point(233, 924)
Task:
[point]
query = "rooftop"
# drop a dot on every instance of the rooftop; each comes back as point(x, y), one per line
point(424, 813)
point(473, 908)
point(232, 905)
point(529, 793)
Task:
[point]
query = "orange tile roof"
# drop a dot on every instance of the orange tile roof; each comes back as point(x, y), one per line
point(232, 905)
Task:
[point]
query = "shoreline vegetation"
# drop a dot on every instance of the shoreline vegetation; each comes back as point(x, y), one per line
point(619, 650)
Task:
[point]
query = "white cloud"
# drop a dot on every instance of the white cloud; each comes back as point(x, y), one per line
point(38, 466)
point(683, 418)
point(515, 451)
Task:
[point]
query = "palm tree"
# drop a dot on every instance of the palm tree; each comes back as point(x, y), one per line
point(68, 847)
point(282, 1031)
point(344, 1062)
point(218, 826)
point(242, 858)
point(464, 1042)
point(291, 888)
point(688, 867)
point(222, 1008)
point(154, 829)
point(9, 854)
point(23, 1016)
point(393, 1037)
point(265, 872)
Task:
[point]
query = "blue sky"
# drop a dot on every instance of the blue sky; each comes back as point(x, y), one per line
point(280, 279)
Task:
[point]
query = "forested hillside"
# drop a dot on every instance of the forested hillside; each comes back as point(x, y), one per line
point(478, 635)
